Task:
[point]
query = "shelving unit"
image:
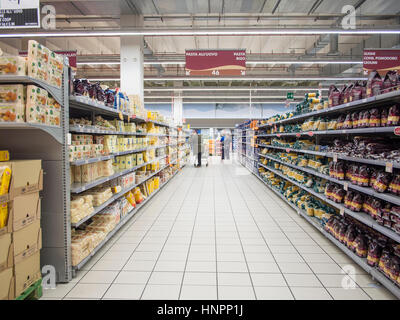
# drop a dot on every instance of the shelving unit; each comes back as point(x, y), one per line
point(377, 101)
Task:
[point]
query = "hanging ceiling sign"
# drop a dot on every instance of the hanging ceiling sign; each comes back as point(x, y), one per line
point(70, 54)
point(19, 14)
point(381, 60)
point(215, 62)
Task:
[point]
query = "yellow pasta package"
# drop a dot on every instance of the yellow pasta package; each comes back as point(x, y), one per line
point(5, 178)
point(3, 214)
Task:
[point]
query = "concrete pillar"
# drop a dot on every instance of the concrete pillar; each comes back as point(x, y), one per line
point(177, 108)
point(131, 68)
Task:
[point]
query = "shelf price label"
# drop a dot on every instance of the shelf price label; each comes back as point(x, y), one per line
point(278, 135)
point(287, 150)
point(310, 133)
point(342, 211)
point(335, 157)
point(389, 167)
point(346, 186)
point(397, 131)
point(298, 135)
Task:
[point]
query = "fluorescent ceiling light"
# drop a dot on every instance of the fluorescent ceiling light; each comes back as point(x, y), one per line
point(151, 89)
point(247, 62)
point(197, 32)
point(225, 102)
point(254, 79)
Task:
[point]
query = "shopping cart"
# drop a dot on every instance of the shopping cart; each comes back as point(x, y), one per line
point(204, 154)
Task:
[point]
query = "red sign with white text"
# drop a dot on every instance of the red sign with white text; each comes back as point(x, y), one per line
point(215, 62)
point(381, 60)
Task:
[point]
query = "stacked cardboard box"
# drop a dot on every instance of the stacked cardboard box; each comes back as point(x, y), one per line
point(21, 238)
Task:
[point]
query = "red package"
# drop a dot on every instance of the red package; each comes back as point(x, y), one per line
point(354, 118)
point(394, 186)
point(361, 246)
point(363, 176)
point(348, 199)
point(375, 118)
point(374, 84)
point(390, 81)
point(384, 258)
point(347, 93)
point(356, 92)
point(393, 116)
point(333, 96)
point(357, 202)
point(372, 177)
point(374, 253)
point(342, 232)
point(348, 124)
point(340, 122)
point(381, 182)
point(350, 236)
point(394, 268)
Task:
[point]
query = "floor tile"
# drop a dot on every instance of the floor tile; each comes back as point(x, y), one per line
point(263, 267)
point(232, 266)
point(273, 293)
point(291, 267)
point(139, 265)
point(235, 293)
point(99, 277)
point(132, 277)
point(379, 294)
point(325, 268)
point(348, 294)
point(303, 293)
point(108, 265)
point(161, 292)
point(178, 266)
point(124, 291)
point(201, 266)
point(268, 280)
point(173, 278)
point(234, 279)
point(61, 290)
point(200, 278)
point(86, 290)
point(302, 280)
point(336, 280)
point(193, 292)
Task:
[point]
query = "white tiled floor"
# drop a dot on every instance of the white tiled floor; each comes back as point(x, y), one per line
point(218, 233)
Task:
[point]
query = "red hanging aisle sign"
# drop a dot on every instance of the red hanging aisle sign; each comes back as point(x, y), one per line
point(215, 62)
point(381, 60)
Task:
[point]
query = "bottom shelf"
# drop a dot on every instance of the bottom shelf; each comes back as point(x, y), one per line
point(362, 262)
point(122, 222)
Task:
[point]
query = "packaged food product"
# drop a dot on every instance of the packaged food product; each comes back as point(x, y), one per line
point(381, 182)
point(361, 246)
point(374, 253)
point(12, 65)
point(384, 118)
point(13, 93)
point(333, 96)
point(393, 116)
point(374, 84)
point(390, 81)
point(375, 118)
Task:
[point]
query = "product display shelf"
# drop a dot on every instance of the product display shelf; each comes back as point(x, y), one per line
point(93, 130)
point(338, 155)
point(56, 92)
point(347, 184)
point(115, 197)
point(81, 187)
point(379, 100)
point(386, 130)
point(111, 156)
point(360, 216)
point(122, 222)
point(362, 262)
point(50, 145)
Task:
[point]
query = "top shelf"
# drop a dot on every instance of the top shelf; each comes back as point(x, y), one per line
point(393, 96)
point(56, 92)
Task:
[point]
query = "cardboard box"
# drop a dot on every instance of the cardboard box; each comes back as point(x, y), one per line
point(27, 241)
point(26, 273)
point(4, 155)
point(22, 211)
point(27, 177)
point(6, 252)
point(7, 288)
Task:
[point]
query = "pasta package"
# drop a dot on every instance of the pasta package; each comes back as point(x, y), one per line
point(14, 93)
point(12, 113)
point(36, 104)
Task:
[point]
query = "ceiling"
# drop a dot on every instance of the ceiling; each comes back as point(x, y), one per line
point(277, 14)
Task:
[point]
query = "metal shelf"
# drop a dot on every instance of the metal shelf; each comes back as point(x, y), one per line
point(362, 217)
point(339, 156)
point(56, 92)
point(367, 102)
point(81, 187)
point(122, 222)
point(362, 262)
point(113, 198)
point(94, 130)
point(366, 190)
point(54, 131)
point(331, 132)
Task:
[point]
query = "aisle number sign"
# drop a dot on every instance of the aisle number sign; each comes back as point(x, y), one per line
point(19, 14)
point(215, 62)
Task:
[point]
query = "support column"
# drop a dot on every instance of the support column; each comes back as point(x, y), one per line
point(177, 108)
point(131, 52)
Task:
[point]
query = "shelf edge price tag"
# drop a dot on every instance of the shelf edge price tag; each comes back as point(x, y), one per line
point(397, 131)
point(310, 133)
point(287, 150)
point(120, 115)
point(342, 211)
point(346, 186)
point(278, 135)
point(335, 157)
point(298, 135)
point(389, 167)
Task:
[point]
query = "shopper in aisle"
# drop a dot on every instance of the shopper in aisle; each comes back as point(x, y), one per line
point(227, 146)
point(196, 148)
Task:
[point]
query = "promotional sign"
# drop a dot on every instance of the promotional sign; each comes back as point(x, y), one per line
point(381, 60)
point(215, 62)
point(19, 14)
point(70, 54)
point(290, 96)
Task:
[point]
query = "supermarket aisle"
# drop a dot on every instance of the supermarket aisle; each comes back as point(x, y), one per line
point(218, 233)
